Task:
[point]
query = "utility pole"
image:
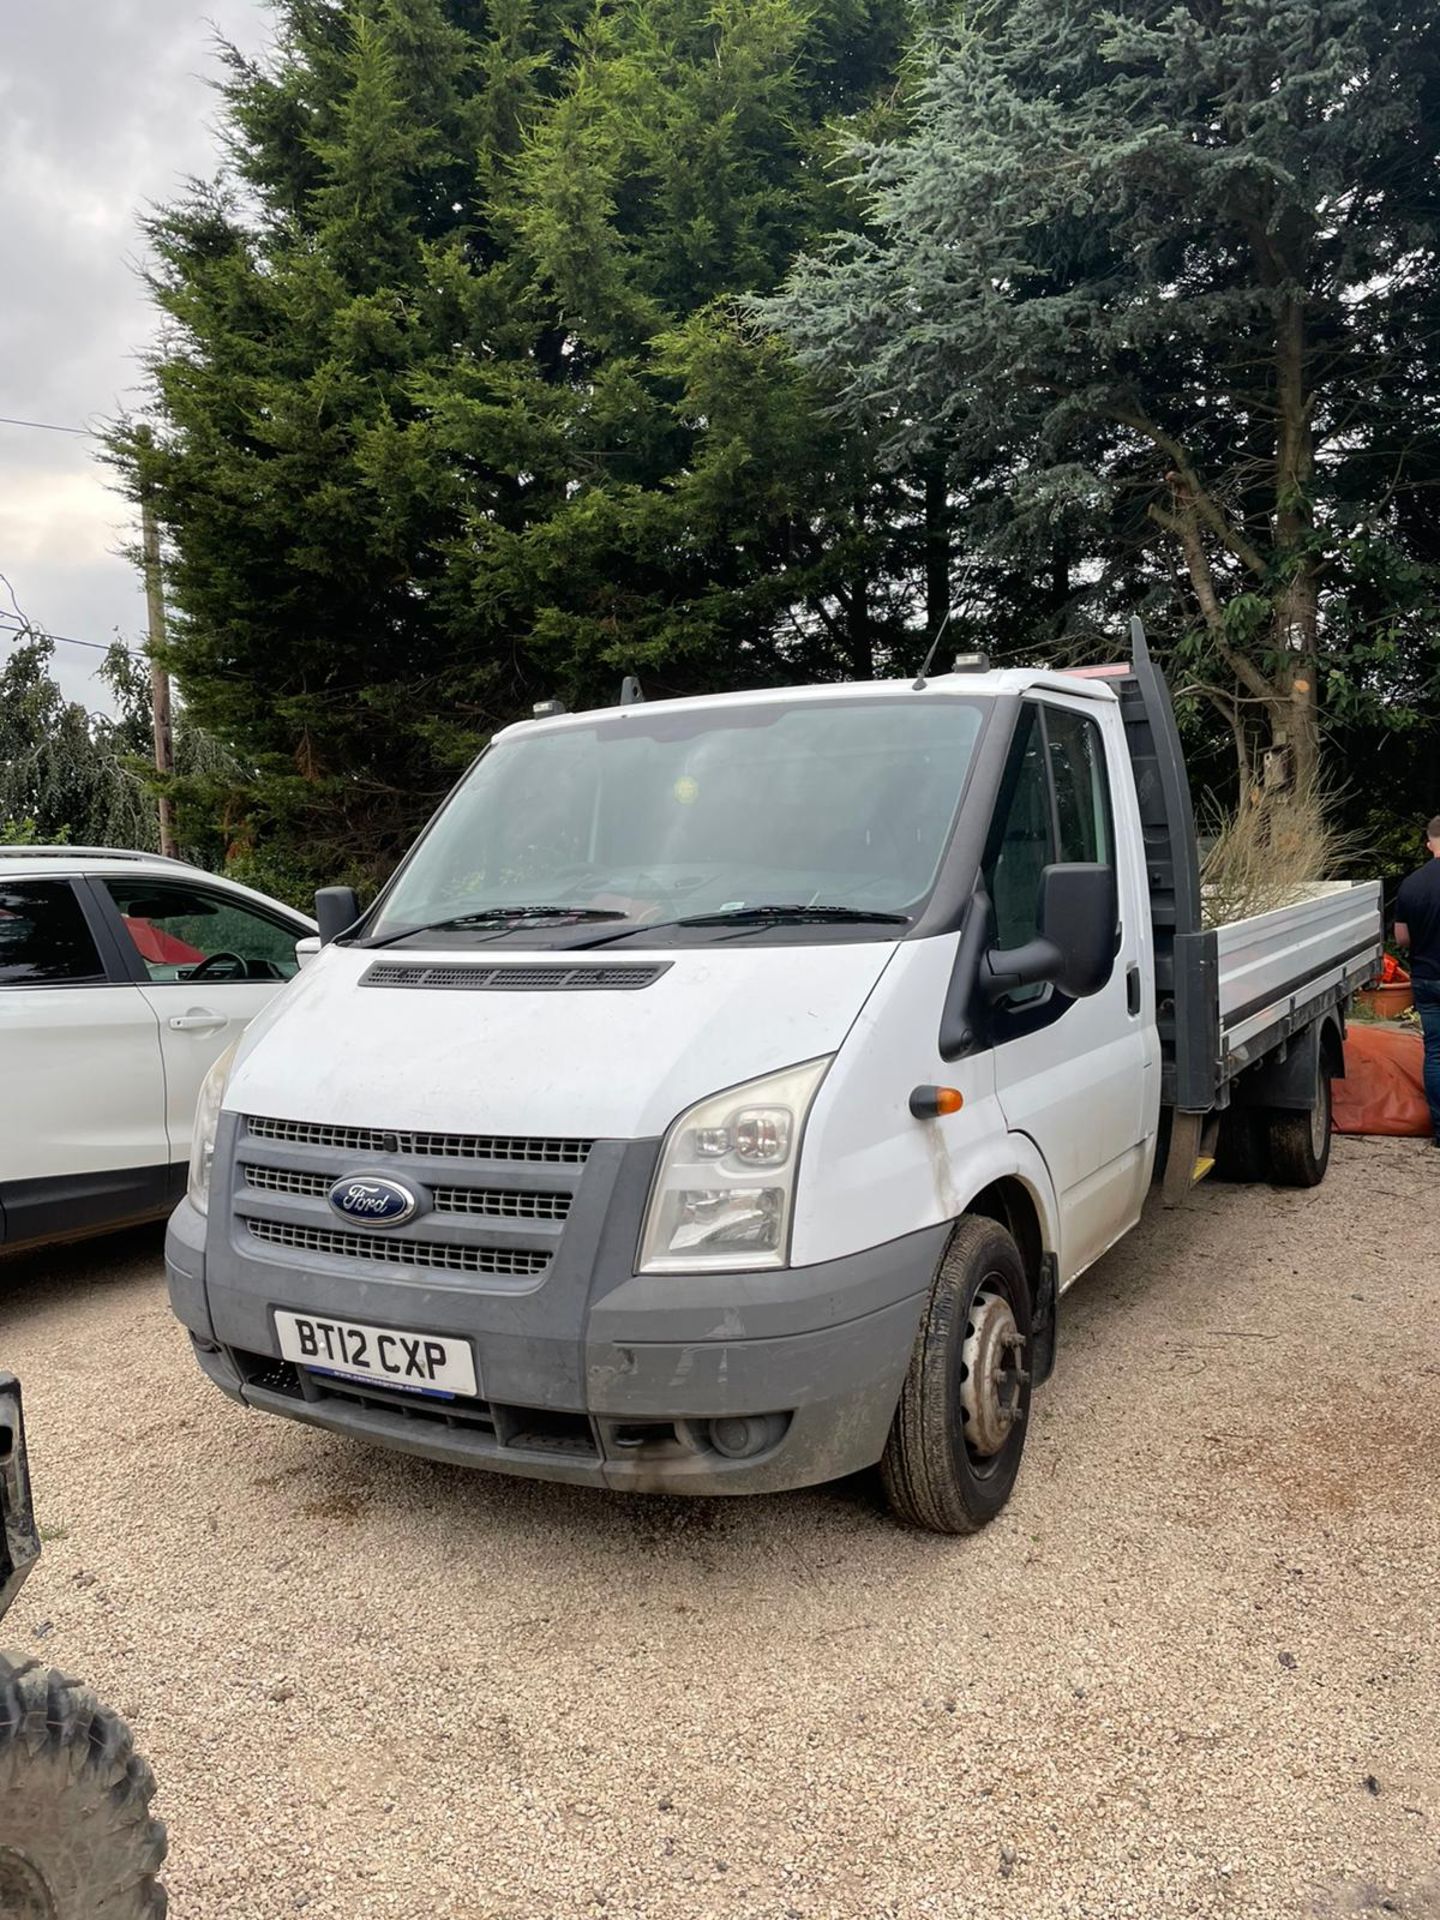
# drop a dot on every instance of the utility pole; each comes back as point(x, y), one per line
point(159, 678)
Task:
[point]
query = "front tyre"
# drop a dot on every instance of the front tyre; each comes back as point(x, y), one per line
point(77, 1841)
point(959, 1429)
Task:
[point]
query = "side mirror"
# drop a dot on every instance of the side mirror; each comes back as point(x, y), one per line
point(1075, 951)
point(306, 949)
point(336, 909)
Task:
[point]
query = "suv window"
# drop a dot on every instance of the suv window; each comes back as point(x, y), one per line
point(43, 936)
point(176, 928)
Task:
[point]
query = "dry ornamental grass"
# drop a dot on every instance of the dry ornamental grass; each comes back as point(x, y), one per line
point(1264, 855)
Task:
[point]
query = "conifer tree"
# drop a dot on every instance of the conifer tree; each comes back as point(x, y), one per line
point(1160, 282)
point(454, 410)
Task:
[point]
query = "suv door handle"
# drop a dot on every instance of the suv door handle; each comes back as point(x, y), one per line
point(198, 1020)
point(1132, 989)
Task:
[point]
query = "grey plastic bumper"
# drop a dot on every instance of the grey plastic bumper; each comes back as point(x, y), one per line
point(825, 1348)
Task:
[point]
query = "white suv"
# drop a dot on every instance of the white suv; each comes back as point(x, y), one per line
point(122, 977)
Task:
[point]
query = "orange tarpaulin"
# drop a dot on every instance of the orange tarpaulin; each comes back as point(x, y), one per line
point(1383, 1090)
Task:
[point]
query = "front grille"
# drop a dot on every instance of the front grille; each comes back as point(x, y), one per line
point(515, 979)
point(502, 1206)
point(313, 1186)
point(525, 1429)
point(427, 1146)
point(484, 1202)
point(454, 1258)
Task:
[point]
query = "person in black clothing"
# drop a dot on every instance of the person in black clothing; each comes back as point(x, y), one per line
point(1417, 926)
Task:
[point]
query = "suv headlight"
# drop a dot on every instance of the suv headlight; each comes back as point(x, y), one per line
point(726, 1179)
point(207, 1119)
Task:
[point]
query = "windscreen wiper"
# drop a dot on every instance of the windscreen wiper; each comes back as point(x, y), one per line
point(761, 916)
point(506, 917)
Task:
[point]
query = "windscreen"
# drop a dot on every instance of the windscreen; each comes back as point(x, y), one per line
point(658, 816)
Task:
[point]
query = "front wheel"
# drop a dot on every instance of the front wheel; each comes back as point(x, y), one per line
point(959, 1431)
point(76, 1835)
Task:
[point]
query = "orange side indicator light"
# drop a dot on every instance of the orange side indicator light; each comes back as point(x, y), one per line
point(928, 1103)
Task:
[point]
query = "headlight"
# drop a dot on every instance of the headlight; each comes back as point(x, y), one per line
point(207, 1119)
point(726, 1178)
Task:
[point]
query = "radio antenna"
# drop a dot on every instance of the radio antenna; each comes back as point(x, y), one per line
point(965, 579)
point(934, 648)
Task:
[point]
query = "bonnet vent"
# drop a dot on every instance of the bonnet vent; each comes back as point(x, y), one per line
point(515, 979)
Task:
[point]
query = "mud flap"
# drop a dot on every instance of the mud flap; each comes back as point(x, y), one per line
point(1044, 1322)
point(1183, 1161)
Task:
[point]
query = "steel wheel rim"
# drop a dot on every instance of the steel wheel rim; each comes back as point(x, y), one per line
point(992, 1376)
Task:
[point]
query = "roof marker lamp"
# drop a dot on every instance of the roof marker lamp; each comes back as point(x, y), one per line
point(724, 1188)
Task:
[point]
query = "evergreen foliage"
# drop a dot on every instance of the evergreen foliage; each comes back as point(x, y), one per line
point(454, 411)
point(72, 777)
point(1160, 283)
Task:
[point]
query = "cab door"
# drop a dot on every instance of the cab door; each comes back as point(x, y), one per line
point(1080, 1077)
point(207, 960)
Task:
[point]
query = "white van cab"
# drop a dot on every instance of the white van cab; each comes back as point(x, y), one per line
point(122, 977)
point(723, 1091)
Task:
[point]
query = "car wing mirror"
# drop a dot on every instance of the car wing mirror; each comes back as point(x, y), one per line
point(336, 911)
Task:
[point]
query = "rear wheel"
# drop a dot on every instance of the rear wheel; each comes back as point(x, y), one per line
point(1243, 1150)
point(959, 1431)
point(1299, 1143)
point(76, 1836)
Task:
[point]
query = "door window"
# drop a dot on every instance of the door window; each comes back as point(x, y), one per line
point(184, 932)
point(1054, 806)
point(1082, 792)
point(44, 940)
point(1022, 841)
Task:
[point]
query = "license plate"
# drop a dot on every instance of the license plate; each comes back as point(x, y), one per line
point(388, 1356)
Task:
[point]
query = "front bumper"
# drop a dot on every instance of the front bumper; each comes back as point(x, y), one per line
point(619, 1387)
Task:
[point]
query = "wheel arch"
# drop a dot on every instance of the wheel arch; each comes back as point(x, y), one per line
point(1011, 1204)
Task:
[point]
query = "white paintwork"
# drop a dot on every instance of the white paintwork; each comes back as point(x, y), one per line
point(1086, 1089)
point(196, 1024)
point(869, 1171)
point(82, 1089)
point(1071, 1111)
point(100, 1078)
point(578, 1065)
point(1006, 680)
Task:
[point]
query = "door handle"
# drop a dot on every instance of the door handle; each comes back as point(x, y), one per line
point(1132, 989)
point(198, 1020)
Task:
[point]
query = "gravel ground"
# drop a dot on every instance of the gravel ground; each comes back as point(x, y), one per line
point(1193, 1669)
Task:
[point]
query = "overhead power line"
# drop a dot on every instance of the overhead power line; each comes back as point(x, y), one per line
point(10, 632)
point(42, 426)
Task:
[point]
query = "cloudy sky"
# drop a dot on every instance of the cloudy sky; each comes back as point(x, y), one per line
point(104, 107)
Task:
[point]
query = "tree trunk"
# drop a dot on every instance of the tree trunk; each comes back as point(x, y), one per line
point(937, 544)
point(859, 634)
point(1295, 719)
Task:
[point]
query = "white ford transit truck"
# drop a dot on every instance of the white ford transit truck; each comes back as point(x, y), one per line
point(723, 1092)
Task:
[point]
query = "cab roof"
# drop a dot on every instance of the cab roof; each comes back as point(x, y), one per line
point(996, 683)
